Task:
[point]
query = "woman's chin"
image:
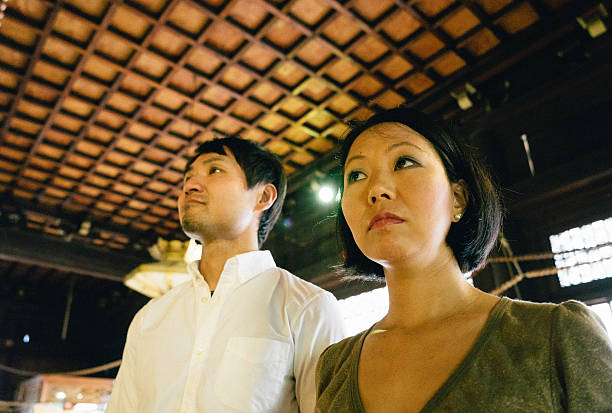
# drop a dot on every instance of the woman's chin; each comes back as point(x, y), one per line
point(388, 253)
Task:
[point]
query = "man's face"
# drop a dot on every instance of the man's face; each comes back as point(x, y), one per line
point(215, 202)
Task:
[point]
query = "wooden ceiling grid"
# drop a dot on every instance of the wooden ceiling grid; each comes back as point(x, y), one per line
point(101, 102)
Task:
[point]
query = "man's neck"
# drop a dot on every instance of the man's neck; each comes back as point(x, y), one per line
point(215, 254)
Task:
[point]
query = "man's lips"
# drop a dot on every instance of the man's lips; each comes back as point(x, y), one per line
point(192, 201)
point(383, 219)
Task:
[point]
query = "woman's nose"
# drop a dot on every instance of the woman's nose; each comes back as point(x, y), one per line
point(379, 189)
point(374, 198)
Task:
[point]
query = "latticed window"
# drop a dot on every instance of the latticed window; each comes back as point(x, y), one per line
point(604, 311)
point(583, 254)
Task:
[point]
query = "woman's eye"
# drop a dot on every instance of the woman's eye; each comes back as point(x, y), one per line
point(404, 162)
point(355, 176)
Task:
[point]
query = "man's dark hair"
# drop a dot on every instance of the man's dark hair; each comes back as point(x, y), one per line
point(470, 239)
point(259, 166)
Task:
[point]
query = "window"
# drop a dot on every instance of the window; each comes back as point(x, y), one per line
point(583, 254)
point(604, 311)
point(362, 310)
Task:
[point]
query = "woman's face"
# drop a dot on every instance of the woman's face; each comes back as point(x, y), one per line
point(397, 200)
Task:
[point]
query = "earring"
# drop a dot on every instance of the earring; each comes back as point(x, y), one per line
point(458, 216)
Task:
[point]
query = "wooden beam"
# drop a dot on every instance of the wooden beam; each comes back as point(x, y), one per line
point(34, 249)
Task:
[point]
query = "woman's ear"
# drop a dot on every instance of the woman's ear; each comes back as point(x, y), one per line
point(267, 196)
point(460, 199)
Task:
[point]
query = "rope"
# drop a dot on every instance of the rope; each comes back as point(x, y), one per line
point(535, 274)
point(83, 372)
point(544, 255)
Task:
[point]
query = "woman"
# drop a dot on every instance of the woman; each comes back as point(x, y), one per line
point(418, 209)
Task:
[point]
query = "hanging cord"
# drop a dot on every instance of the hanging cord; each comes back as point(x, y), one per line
point(544, 255)
point(83, 372)
point(512, 282)
point(513, 262)
point(535, 274)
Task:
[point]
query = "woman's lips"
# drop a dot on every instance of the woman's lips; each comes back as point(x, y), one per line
point(383, 219)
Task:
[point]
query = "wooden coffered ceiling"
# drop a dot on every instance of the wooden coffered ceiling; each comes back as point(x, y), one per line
point(102, 101)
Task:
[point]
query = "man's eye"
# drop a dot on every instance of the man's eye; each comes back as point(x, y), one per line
point(354, 176)
point(214, 170)
point(404, 162)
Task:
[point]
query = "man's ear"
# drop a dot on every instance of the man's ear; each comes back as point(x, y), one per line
point(267, 196)
point(460, 199)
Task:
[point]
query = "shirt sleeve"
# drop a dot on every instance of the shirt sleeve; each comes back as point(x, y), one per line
point(124, 397)
point(583, 358)
point(319, 325)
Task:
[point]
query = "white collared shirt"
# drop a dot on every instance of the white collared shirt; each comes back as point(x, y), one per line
point(251, 347)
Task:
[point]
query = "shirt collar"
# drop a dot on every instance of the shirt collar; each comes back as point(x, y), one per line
point(246, 266)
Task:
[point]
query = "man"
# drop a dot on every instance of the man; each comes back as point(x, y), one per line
point(243, 335)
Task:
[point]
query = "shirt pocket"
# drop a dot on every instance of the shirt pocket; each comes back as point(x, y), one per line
point(252, 373)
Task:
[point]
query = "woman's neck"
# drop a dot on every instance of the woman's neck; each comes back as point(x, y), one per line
point(420, 295)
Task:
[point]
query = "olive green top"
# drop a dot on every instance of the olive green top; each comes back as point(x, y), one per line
point(528, 358)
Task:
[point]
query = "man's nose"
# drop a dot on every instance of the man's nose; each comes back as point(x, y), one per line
point(192, 185)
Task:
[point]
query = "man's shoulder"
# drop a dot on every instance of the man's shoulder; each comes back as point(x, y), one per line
point(299, 286)
point(298, 296)
point(168, 298)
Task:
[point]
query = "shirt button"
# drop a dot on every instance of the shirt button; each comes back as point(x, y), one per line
point(199, 353)
point(204, 299)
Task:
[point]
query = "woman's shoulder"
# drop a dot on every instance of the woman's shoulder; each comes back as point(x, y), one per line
point(574, 321)
point(551, 311)
point(341, 355)
point(528, 310)
point(343, 348)
point(547, 320)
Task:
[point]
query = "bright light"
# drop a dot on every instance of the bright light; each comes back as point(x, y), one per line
point(604, 311)
point(60, 395)
point(194, 251)
point(361, 311)
point(326, 194)
point(85, 407)
point(26, 338)
point(287, 222)
point(582, 254)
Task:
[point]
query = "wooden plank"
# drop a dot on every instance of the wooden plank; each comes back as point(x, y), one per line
point(34, 249)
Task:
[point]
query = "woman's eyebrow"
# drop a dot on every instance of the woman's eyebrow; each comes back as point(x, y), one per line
point(352, 158)
point(389, 149)
point(395, 145)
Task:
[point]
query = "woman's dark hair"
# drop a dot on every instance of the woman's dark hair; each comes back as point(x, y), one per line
point(470, 239)
point(259, 166)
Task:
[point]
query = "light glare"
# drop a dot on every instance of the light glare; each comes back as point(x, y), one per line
point(577, 266)
point(85, 407)
point(326, 194)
